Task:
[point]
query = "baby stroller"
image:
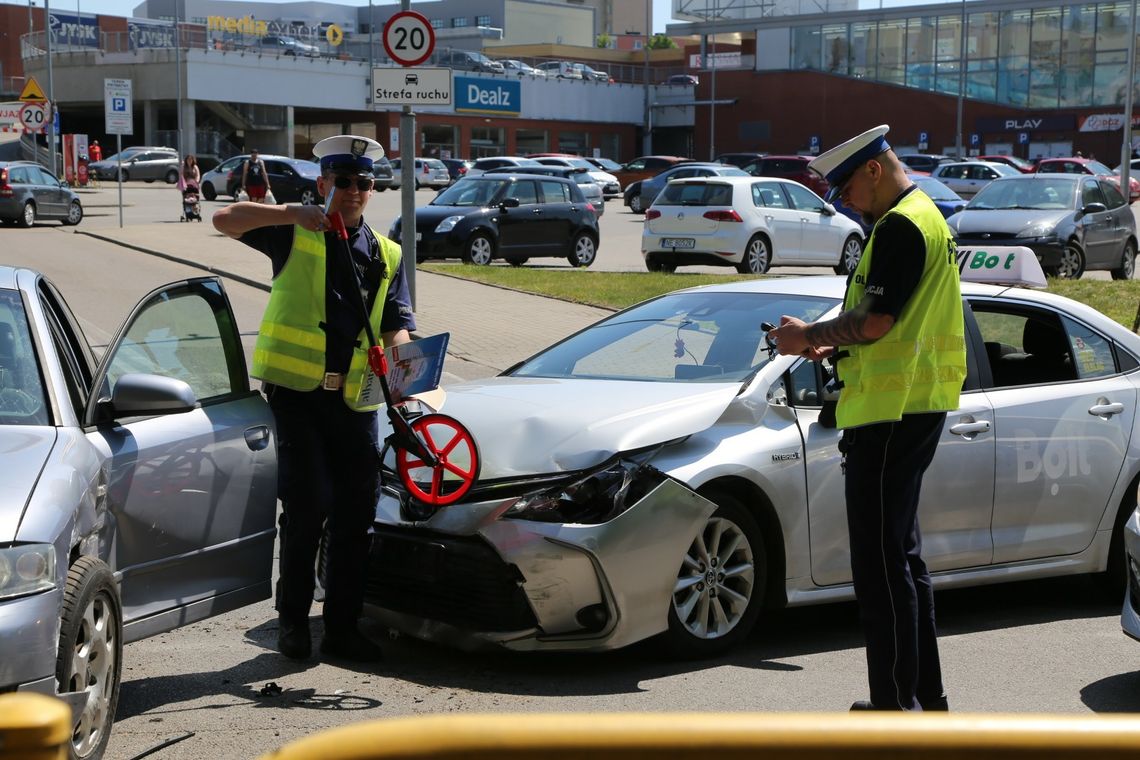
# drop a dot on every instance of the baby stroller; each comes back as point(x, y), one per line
point(191, 208)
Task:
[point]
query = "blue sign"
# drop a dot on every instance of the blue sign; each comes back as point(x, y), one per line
point(975, 139)
point(119, 105)
point(814, 141)
point(68, 29)
point(487, 96)
point(150, 34)
point(923, 137)
point(55, 121)
point(1023, 138)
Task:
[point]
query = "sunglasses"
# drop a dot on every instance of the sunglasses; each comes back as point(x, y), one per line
point(363, 184)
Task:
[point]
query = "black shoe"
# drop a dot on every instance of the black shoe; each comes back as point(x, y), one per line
point(938, 704)
point(351, 644)
point(863, 704)
point(293, 639)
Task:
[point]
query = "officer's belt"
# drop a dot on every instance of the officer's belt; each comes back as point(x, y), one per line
point(333, 381)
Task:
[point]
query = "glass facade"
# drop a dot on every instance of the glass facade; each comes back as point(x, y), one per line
point(1051, 56)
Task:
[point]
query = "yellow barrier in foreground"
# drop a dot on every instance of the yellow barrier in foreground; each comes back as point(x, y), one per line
point(728, 736)
point(34, 727)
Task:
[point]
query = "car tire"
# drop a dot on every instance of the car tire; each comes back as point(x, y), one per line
point(1072, 264)
point(208, 191)
point(90, 654)
point(28, 216)
point(850, 255)
point(124, 175)
point(653, 265)
point(74, 213)
point(418, 184)
point(583, 250)
point(1113, 580)
point(171, 176)
point(309, 197)
point(635, 205)
point(1127, 268)
point(757, 256)
point(479, 250)
point(696, 603)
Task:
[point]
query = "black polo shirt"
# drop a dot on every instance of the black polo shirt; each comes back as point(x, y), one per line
point(898, 260)
point(344, 318)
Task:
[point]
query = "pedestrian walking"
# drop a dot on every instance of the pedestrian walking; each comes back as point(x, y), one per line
point(95, 152)
point(899, 353)
point(311, 352)
point(255, 177)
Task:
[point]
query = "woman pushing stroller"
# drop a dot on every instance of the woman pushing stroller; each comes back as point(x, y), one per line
point(189, 180)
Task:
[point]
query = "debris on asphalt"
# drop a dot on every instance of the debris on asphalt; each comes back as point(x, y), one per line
point(271, 689)
point(163, 745)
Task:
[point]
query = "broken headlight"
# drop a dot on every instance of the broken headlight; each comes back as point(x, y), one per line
point(594, 497)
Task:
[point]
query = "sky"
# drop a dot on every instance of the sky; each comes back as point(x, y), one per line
point(662, 9)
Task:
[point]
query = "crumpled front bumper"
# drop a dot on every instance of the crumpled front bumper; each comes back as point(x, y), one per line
point(29, 633)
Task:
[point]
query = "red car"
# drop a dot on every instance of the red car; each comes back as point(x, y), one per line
point(1023, 166)
point(789, 167)
point(1087, 166)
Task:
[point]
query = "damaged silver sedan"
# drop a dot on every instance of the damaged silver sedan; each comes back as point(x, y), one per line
point(660, 473)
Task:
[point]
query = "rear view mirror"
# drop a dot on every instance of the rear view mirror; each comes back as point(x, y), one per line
point(509, 203)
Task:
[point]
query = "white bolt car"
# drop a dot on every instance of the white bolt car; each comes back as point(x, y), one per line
point(752, 223)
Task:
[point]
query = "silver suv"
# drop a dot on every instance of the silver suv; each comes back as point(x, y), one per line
point(140, 162)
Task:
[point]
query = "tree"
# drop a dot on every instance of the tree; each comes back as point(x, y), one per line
point(604, 40)
point(661, 42)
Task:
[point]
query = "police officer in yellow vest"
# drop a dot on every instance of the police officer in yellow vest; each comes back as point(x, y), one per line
point(311, 354)
point(899, 353)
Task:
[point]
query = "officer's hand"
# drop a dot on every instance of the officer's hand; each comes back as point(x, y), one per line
point(311, 218)
point(789, 336)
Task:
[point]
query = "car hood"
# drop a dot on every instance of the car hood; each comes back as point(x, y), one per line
point(439, 213)
point(969, 221)
point(24, 450)
point(526, 426)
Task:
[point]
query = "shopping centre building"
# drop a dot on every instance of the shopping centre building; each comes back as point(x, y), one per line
point(1002, 76)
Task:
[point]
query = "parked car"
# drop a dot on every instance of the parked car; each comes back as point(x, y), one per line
point(1130, 615)
point(468, 60)
point(382, 173)
point(947, 201)
point(747, 222)
point(457, 168)
point(1133, 166)
point(1087, 166)
point(592, 74)
point(497, 162)
point(739, 159)
point(605, 164)
point(608, 182)
point(139, 487)
point(216, 181)
point(504, 216)
point(1072, 223)
point(590, 188)
point(623, 465)
point(284, 44)
point(429, 172)
point(560, 70)
point(689, 80)
point(1023, 166)
point(29, 192)
point(145, 163)
point(966, 178)
point(519, 68)
point(645, 167)
point(789, 167)
point(290, 179)
point(649, 188)
point(923, 163)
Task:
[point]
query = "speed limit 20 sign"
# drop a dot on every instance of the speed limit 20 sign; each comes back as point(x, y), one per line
point(409, 38)
point(34, 115)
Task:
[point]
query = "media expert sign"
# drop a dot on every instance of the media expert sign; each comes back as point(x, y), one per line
point(487, 96)
point(118, 108)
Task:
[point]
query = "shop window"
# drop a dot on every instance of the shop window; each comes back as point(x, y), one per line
point(806, 47)
point(609, 146)
point(487, 141)
point(573, 142)
point(529, 141)
point(440, 141)
point(482, 21)
point(458, 22)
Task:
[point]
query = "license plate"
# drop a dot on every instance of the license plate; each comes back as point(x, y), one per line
point(678, 243)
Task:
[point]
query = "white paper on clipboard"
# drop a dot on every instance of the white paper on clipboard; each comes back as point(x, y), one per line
point(412, 368)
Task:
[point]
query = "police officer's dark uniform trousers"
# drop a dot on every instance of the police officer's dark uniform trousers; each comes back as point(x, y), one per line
point(891, 407)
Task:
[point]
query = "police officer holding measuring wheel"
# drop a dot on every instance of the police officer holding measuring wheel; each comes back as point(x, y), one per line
point(899, 354)
point(311, 352)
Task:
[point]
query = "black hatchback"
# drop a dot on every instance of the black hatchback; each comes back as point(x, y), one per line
point(514, 217)
point(290, 179)
point(29, 192)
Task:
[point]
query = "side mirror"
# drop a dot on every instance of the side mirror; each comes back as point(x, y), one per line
point(828, 210)
point(507, 203)
point(1093, 208)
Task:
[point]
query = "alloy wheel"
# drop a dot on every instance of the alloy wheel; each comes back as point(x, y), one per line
point(716, 580)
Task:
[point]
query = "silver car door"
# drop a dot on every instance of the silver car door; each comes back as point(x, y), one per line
point(782, 221)
point(191, 495)
point(823, 235)
point(1063, 420)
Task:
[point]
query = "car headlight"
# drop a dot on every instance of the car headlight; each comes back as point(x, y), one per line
point(596, 497)
point(26, 569)
point(448, 224)
point(1038, 231)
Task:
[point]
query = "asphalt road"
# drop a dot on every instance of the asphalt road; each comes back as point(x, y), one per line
point(1049, 646)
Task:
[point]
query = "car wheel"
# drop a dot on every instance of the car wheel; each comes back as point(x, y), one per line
point(124, 176)
point(171, 177)
point(90, 654)
point(850, 255)
point(635, 205)
point(720, 584)
point(480, 249)
point(757, 257)
point(208, 191)
point(309, 197)
point(417, 184)
point(583, 251)
point(1113, 580)
point(74, 213)
point(654, 265)
point(1072, 264)
point(1127, 267)
point(28, 218)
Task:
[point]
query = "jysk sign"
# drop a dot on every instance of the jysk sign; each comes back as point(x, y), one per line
point(150, 34)
point(487, 96)
point(74, 31)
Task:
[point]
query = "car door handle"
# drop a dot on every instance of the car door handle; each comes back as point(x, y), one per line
point(536, 211)
point(1106, 409)
point(970, 429)
point(257, 438)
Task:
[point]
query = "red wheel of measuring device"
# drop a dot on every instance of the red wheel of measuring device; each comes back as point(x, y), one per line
point(456, 469)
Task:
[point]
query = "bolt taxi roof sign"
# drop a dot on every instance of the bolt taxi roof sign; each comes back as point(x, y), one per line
point(1001, 265)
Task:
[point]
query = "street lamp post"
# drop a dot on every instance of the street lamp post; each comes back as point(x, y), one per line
point(1126, 144)
point(961, 81)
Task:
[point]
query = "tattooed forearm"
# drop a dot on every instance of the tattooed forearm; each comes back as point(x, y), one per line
point(845, 330)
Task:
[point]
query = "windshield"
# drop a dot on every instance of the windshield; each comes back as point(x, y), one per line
point(22, 400)
point(686, 337)
point(934, 189)
point(1096, 167)
point(605, 164)
point(471, 191)
point(1038, 193)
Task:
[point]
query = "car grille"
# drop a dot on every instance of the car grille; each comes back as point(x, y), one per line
point(456, 580)
point(985, 238)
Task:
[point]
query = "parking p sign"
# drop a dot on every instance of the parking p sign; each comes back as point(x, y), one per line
point(923, 141)
point(117, 107)
point(1023, 138)
point(813, 141)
